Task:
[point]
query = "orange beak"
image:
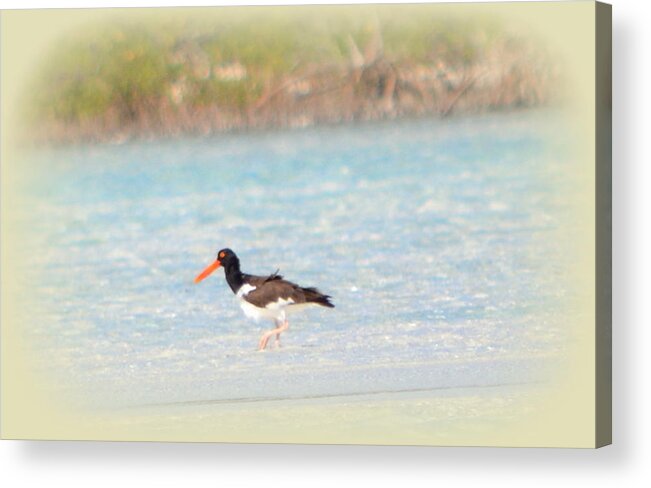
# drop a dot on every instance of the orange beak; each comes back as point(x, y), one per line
point(212, 267)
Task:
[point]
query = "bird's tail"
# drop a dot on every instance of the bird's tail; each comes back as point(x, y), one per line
point(312, 295)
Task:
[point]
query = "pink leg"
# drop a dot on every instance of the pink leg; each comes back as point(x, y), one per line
point(277, 341)
point(265, 337)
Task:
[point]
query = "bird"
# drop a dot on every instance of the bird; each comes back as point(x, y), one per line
point(270, 296)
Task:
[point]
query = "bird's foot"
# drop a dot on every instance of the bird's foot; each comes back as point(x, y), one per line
point(263, 342)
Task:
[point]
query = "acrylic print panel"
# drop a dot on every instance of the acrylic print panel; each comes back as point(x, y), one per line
point(433, 169)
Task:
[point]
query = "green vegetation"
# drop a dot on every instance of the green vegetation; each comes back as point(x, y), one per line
point(161, 74)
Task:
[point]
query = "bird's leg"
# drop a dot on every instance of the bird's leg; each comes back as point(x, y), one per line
point(265, 337)
point(283, 328)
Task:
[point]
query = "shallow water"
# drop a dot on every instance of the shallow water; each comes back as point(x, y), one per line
point(438, 240)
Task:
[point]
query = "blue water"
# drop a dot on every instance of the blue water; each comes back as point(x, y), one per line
point(438, 240)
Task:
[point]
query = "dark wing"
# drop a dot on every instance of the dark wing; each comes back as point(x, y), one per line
point(269, 289)
point(258, 281)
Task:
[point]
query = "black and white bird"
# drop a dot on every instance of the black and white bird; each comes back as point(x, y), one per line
point(269, 296)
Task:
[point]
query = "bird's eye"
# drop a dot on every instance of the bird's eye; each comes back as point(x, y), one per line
point(222, 254)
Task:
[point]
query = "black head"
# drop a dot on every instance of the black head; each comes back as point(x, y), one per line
point(225, 258)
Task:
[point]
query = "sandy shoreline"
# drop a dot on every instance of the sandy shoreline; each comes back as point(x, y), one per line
point(449, 416)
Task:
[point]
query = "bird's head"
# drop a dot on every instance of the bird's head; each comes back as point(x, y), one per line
point(225, 258)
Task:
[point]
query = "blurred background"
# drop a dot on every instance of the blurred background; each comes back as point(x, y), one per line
point(201, 71)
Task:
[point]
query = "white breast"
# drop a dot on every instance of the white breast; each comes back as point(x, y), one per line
point(258, 313)
point(274, 310)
